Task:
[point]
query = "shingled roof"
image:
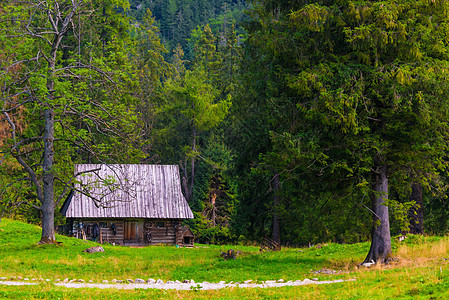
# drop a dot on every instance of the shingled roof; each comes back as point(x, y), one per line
point(127, 191)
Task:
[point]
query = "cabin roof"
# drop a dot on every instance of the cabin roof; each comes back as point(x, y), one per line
point(127, 191)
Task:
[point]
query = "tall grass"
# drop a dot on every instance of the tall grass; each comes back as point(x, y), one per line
point(417, 248)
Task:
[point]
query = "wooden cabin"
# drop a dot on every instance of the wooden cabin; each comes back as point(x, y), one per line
point(131, 205)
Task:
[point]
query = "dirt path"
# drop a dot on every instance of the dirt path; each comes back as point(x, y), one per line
point(182, 286)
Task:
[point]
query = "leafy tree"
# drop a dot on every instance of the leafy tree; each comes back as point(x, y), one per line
point(200, 110)
point(74, 86)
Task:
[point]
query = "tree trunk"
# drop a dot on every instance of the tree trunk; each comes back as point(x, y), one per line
point(185, 187)
point(192, 174)
point(417, 213)
point(184, 180)
point(48, 176)
point(276, 222)
point(48, 205)
point(380, 251)
point(212, 203)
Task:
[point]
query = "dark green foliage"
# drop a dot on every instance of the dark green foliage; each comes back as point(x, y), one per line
point(214, 195)
point(189, 131)
point(341, 88)
point(323, 93)
point(178, 18)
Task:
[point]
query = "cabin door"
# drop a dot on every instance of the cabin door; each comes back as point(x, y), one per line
point(130, 231)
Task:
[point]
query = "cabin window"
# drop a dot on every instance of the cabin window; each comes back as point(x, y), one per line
point(160, 224)
point(103, 225)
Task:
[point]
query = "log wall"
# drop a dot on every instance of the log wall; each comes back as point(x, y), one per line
point(107, 233)
point(132, 232)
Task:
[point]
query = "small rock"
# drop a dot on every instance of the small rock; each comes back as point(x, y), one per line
point(222, 282)
point(105, 281)
point(177, 282)
point(231, 282)
point(19, 278)
point(307, 280)
point(65, 280)
point(26, 279)
point(237, 282)
point(114, 280)
point(139, 280)
point(186, 281)
point(159, 281)
point(119, 281)
point(94, 249)
point(151, 281)
point(369, 264)
point(33, 279)
point(72, 281)
point(81, 280)
point(270, 281)
point(247, 281)
point(170, 282)
point(12, 278)
point(129, 280)
point(205, 282)
point(91, 281)
point(58, 280)
point(315, 279)
point(281, 281)
point(47, 280)
point(2, 278)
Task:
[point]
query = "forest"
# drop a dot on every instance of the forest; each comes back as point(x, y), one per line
point(304, 121)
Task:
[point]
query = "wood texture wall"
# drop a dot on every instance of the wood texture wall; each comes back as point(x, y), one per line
point(147, 231)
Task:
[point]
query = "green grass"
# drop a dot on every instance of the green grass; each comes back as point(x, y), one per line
point(421, 271)
point(22, 256)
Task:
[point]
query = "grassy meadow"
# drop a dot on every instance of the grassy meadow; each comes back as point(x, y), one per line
point(419, 271)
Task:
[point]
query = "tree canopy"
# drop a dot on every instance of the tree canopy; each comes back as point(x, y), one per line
point(72, 78)
point(305, 120)
point(361, 88)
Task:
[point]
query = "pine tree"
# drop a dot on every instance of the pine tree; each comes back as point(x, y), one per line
point(356, 85)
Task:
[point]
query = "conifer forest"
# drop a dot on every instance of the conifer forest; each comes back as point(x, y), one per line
point(302, 121)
